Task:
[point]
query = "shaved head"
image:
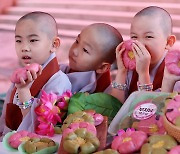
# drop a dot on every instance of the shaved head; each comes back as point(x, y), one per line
point(162, 14)
point(107, 38)
point(45, 21)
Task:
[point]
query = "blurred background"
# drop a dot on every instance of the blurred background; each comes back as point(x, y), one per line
point(71, 16)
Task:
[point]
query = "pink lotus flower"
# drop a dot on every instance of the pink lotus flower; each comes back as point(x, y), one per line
point(50, 111)
point(173, 109)
point(129, 141)
point(45, 129)
point(63, 100)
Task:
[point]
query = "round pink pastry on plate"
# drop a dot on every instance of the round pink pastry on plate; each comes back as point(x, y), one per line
point(128, 55)
point(22, 72)
point(128, 141)
point(12, 140)
point(172, 61)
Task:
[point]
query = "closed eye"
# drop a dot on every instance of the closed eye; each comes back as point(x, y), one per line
point(85, 50)
point(149, 37)
point(18, 41)
point(134, 37)
point(34, 40)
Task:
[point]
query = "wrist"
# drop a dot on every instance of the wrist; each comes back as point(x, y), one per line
point(144, 87)
point(25, 104)
point(119, 86)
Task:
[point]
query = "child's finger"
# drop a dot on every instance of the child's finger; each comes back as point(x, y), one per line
point(142, 48)
point(34, 75)
point(118, 48)
point(40, 70)
point(135, 50)
point(29, 76)
point(22, 81)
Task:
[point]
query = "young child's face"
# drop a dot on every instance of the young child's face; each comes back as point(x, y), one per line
point(32, 44)
point(86, 52)
point(149, 32)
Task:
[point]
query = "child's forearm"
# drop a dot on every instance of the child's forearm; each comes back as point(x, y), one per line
point(167, 85)
point(120, 79)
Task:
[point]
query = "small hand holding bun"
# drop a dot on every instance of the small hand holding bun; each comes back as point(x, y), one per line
point(22, 72)
point(128, 55)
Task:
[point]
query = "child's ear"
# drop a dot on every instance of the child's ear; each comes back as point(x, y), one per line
point(170, 41)
point(103, 68)
point(56, 44)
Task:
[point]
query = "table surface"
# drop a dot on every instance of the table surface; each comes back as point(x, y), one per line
point(56, 138)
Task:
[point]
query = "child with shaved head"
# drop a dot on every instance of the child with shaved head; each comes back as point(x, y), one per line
point(36, 41)
point(151, 30)
point(91, 56)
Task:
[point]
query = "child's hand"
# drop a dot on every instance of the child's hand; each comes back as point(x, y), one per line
point(170, 77)
point(169, 81)
point(31, 76)
point(143, 59)
point(120, 64)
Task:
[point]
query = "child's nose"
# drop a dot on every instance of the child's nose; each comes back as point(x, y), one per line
point(25, 47)
point(141, 40)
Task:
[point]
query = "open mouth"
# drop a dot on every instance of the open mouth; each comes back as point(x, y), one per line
point(26, 57)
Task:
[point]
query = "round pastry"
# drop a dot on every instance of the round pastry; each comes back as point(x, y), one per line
point(12, 140)
point(128, 55)
point(73, 126)
point(152, 125)
point(80, 141)
point(173, 110)
point(98, 118)
point(172, 61)
point(17, 138)
point(22, 72)
point(41, 145)
point(78, 116)
point(129, 141)
point(175, 150)
point(158, 144)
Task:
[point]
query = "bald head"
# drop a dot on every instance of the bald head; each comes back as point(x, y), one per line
point(108, 39)
point(45, 21)
point(157, 12)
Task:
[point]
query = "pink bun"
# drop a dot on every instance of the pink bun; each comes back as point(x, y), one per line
point(137, 139)
point(128, 55)
point(33, 67)
point(172, 61)
point(22, 72)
